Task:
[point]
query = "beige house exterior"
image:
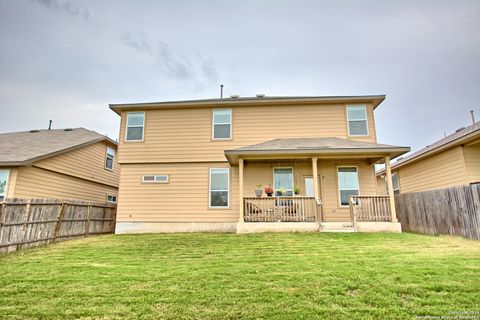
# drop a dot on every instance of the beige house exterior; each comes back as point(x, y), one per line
point(66, 164)
point(451, 161)
point(195, 165)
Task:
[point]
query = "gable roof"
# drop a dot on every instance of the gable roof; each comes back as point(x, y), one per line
point(25, 147)
point(315, 146)
point(454, 139)
point(248, 101)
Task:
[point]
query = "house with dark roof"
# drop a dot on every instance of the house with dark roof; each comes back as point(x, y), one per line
point(252, 164)
point(448, 162)
point(67, 164)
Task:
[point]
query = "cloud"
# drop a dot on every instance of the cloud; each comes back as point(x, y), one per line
point(65, 6)
point(174, 65)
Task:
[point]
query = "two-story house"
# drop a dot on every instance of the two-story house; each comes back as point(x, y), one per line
point(196, 165)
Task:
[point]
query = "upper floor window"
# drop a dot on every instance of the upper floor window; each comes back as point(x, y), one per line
point(357, 120)
point(3, 184)
point(110, 155)
point(222, 124)
point(135, 126)
point(347, 183)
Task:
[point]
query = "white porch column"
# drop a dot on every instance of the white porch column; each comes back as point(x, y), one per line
point(388, 173)
point(240, 189)
point(315, 178)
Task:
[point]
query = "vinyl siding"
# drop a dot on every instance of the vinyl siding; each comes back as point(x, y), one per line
point(472, 161)
point(185, 198)
point(381, 186)
point(32, 182)
point(86, 163)
point(443, 170)
point(185, 135)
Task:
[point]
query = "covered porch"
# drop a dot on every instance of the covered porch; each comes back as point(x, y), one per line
point(344, 190)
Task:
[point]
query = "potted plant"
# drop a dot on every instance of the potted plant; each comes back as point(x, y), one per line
point(259, 190)
point(296, 190)
point(280, 192)
point(269, 191)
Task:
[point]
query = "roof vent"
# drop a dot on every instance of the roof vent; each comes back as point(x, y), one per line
point(459, 129)
point(260, 95)
point(234, 96)
point(34, 131)
point(68, 129)
point(400, 158)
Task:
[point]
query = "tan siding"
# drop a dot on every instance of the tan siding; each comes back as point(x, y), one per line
point(12, 179)
point(185, 135)
point(443, 170)
point(185, 198)
point(34, 182)
point(87, 163)
point(381, 186)
point(472, 161)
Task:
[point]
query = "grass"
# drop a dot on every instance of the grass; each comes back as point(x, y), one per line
point(228, 276)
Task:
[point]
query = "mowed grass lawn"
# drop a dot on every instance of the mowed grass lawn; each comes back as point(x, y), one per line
point(228, 276)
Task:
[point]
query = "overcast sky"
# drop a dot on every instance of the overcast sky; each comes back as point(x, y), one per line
point(67, 60)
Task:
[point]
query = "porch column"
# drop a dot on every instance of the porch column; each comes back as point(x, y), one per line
point(315, 178)
point(391, 195)
point(240, 189)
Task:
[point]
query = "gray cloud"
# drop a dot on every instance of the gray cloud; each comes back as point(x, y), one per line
point(65, 6)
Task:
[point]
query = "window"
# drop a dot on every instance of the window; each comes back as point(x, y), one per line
point(222, 124)
point(161, 178)
point(347, 183)
point(219, 187)
point(111, 198)
point(283, 181)
point(3, 184)
point(109, 158)
point(357, 121)
point(135, 126)
point(396, 185)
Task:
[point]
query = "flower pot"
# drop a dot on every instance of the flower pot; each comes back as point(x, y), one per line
point(258, 193)
point(269, 194)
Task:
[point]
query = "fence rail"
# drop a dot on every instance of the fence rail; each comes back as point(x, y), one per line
point(454, 211)
point(281, 209)
point(370, 208)
point(31, 222)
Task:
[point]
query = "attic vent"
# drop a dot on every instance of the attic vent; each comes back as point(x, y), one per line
point(234, 96)
point(34, 131)
point(68, 129)
point(260, 95)
point(459, 129)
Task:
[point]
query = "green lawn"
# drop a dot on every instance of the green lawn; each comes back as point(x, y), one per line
point(228, 276)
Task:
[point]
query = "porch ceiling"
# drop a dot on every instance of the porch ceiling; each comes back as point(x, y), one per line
point(327, 148)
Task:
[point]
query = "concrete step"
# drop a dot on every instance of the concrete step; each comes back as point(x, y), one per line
point(337, 227)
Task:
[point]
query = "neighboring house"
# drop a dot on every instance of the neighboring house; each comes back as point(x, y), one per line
point(451, 161)
point(70, 164)
point(195, 165)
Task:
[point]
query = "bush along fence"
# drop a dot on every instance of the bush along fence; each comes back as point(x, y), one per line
point(454, 211)
point(27, 223)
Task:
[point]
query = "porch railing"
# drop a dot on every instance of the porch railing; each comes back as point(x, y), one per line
point(370, 208)
point(281, 209)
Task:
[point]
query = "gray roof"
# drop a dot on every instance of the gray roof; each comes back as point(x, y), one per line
point(308, 144)
point(457, 136)
point(20, 148)
point(376, 99)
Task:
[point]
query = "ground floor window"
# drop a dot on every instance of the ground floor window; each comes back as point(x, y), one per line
point(3, 184)
point(396, 185)
point(347, 183)
point(283, 181)
point(219, 187)
point(111, 198)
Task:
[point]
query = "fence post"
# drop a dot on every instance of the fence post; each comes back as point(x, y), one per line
point(25, 224)
point(87, 225)
point(59, 220)
point(3, 215)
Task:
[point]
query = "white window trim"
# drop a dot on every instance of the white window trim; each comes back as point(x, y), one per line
point(338, 185)
point(6, 184)
point(213, 124)
point(155, 179)
point(293, 180)
point(366, 120)
point(106, 157)
point(210, 189)
point(386, 183)
point(111, 195)
point(135, 126)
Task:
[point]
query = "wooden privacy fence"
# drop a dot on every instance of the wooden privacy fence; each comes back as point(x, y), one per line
point(454, 211)
point(27, 223)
